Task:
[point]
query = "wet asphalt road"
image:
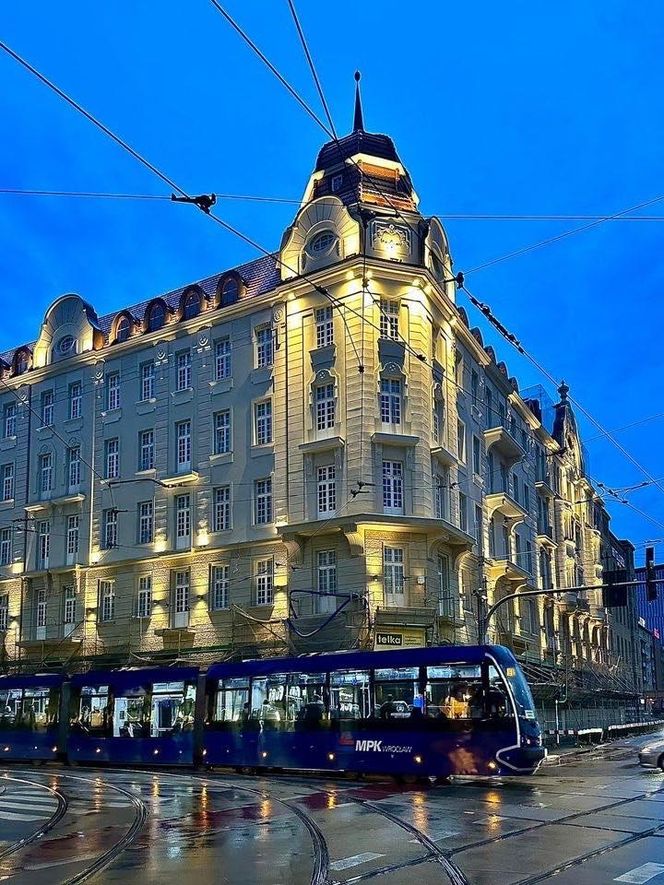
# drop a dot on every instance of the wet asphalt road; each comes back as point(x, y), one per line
point(600, 819)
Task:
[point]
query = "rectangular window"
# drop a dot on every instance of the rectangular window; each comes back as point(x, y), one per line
point(264, 347)
point(219, 583)
point(183, 370)
point(478, 523)
point(75, 399)
point(393, 576)
point(221, 512)
point(474, 386)
point(112, 391)
point(263, 501)
point(461, 440)
point(326, 580)
point(112, 458)
point(41, 609)
point(9, 422)
point(144, 597)
point(146, 450)
point(326, 488)
point(438, 421)
point(46, 473)
point(4, 611)
point(264, 582)
point(325, 406)
point(147, 381)
point(222, 432)
point(458, 369)
point(324, 327)
point(145, 522)
point(182, 520)
point(263, 423)
point(7, 482)
point(393, 487)
point(445, 600)
point(43, 543)
point(109, 529)
point(389, 319)
point(47, 408)
point(106, 590)
point(74, 466)
point(390, 401)
point(488, 399)
point(477, 456)
point(69, 613)
point(222, 359)
point(73, 529)
point(183, 438)
point(526, 498)
point(5, 546)
point(442, 492)
point(463, 512)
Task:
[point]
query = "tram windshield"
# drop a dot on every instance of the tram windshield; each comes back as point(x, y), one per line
point(29, 709)
point(525, 705)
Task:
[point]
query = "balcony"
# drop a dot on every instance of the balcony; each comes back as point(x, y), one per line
point(572, 602)
point(501, 502)
point(501, 566)
point(444, 456)
point(544, 488)
point(501, 440)
point(173, 480)
point(544, 536)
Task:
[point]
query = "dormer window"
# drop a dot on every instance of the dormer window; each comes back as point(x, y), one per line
point(122, 329)
point(230, 291)
point(156, 317)
point(335, 184)
point(321, 244)
point(21, 362)
point(192, 306)
point(66, 345)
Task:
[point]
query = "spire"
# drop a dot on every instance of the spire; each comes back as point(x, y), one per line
point(563, 390)
point(358, 120)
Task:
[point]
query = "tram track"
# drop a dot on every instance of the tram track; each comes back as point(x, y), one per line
point(44, 828)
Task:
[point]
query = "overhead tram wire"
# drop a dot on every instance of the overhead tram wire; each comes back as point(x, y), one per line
point(105, 195)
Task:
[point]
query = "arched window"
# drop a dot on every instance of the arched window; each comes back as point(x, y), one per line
point(230, 291)
point(156, 316)
point(123, 328)
point(321, 243)
point(192, 305)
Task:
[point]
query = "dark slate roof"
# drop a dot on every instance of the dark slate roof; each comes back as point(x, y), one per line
point(360, 142)
point(260, 276)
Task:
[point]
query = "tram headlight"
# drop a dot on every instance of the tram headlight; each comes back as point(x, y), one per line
point(492, 766)
point(418, 760)
point(330, 756)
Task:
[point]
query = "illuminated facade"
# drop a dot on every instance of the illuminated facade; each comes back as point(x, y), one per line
point(311, 451)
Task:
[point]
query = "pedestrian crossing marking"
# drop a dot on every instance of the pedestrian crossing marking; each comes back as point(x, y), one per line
point(355, 860)
point(642, 874)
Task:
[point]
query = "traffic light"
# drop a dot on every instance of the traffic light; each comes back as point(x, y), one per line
point(612, 596)
point(651, 580)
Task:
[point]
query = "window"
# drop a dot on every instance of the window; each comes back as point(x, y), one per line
point(182, 521)
point(438, 421)
point(183, 437)
point(74, 466)
point(219, 583)
point(7, 482)
point(47, 408)
point(477, 456)
point(112, 391)
point(445, 599)
point(221, 509)
point(349, 695)
point(9, 420)
point(229, 291)
point(5, 546)
point(442, 491)
point(156, 317)
point(222, 359)
point(321, 243)
point(43, 543)
point(264, 582)
point(463, 512)
point(461, 440)
point(389, 319)
point(458, 369)
point(41, 609)
point(106, 590)
point(144, 597)
point(46, 473)
point(69, 612)
point(192, 306)
point(336, 183)
point(478, 524)
point(145, 522)
point(222, 432)
point(324, 327)
point(146, 450)
point(73, 529)
point(263, 423)
point(122, 330)
point(393, 576)
point(325, 406)
point(526, 498)
point(488, 399)
point(22, 363)
point(326, 488)
point(326, 582)
point(75, 399)
point(393, 487)
point(147, 381)
point(264, 347)
point(112, 458)
point(4, 611)
point(474, 386)
point(109, 529)
point(390, 401)
point(183, 370)
point(263, 501)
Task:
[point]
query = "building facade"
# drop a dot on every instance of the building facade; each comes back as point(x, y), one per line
point(310, 451)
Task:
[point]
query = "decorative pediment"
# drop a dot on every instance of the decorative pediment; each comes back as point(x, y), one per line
point(323, 233)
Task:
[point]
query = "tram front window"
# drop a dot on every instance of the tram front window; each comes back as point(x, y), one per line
point(349, 695)
point(396, 693)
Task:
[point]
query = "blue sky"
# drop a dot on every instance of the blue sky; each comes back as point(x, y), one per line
point(515, 108)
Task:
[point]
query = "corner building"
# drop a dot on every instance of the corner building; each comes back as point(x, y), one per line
point(308, 452)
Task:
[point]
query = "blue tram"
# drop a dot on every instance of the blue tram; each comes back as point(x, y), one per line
point(31, 724)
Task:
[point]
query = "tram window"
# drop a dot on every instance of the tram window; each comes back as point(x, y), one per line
point(307, 703)
point(95, 710)
point(454, 692)
point(396, 693)
point(131, 715)
point(268, 699)
point(497, 700)
point(172, 708)
point(349, 695)
point(40, 708)
point(231, 702)
point(11, 708)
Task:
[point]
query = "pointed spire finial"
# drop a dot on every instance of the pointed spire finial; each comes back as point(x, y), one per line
point(563, 390)
point(358, 120)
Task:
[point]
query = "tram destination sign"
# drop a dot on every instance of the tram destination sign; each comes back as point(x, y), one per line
point(405, 637)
